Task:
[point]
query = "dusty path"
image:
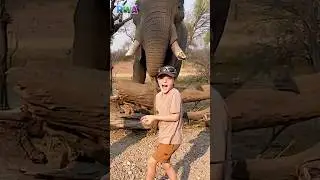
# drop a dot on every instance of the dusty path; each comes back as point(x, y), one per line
point(130, 150)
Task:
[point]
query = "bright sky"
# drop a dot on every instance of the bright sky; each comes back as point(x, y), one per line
point(121, 38)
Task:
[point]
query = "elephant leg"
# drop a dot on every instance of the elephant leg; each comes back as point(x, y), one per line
point(175, 47)
point(139, 68)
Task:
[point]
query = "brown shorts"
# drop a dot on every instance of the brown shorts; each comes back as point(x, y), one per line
point(164, 152)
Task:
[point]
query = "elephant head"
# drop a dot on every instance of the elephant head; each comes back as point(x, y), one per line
point(158, 33)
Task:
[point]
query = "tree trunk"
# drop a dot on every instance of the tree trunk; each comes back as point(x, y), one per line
point(311, 30)
point(4, 20)
point(314, 49)
point(220, 15)
point(91, 34)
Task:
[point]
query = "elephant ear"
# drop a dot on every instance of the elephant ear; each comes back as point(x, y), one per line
point(179, 16)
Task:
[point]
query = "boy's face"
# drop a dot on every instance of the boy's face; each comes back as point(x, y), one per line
point(166, 83)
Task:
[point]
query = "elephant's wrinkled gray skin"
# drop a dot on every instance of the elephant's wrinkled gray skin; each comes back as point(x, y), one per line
point(159, 24)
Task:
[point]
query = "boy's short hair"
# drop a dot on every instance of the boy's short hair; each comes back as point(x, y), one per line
point(167, 70)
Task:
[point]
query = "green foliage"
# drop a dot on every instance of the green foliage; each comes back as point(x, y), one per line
point(199, 21)
point(200, 7)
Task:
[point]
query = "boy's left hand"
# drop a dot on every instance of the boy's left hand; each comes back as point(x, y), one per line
point(147, 119)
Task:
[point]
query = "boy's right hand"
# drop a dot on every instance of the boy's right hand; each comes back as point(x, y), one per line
point(147, 119)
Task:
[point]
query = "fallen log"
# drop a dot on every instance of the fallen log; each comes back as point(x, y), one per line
point(12, 115)
point(197, 115)
point(65, 99)
point(74, 99)
point(248, 108)
point(142, 94)
point(279, 168)
point(70, 98)
point(260, 108)
point(132, 121)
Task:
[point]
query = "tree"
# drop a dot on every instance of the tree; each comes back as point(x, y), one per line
point(220, 14)
point(199, 22)
point(91, 38)
point(115, 26)
point(300, 20)
point(4, 20)
point(308, 16)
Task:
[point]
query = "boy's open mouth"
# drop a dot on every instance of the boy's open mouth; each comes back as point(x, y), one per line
point(164, 85)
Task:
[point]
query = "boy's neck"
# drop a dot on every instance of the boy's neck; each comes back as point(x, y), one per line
point(168, 91)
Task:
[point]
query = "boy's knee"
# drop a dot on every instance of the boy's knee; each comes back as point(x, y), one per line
point(166, 166)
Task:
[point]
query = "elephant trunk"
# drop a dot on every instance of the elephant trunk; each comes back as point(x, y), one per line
point(155, 50)
point(156, 38)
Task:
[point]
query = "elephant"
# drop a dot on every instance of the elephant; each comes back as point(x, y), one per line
point(160, 37)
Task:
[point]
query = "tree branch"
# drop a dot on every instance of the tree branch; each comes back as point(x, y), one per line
point(125, 30)
point(118, 26)
point(112, 5)
point(117, 16)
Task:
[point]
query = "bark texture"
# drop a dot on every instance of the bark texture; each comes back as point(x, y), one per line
point(91, 38)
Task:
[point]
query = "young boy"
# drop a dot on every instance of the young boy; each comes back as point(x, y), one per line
point(168, 108)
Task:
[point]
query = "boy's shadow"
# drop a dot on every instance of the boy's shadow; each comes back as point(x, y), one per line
point(132, 138)
point(118, 147)
point(199, 148)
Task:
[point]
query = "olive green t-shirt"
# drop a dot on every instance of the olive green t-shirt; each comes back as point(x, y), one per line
point(170, 132)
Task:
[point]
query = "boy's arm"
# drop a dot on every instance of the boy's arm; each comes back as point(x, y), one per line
point(171, 117)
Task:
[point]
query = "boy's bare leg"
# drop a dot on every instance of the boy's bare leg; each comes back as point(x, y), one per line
point(151, 169)
point(170, 171)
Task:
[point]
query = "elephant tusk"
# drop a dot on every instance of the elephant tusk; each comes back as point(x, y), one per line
point(177, 51)
point(133, 48)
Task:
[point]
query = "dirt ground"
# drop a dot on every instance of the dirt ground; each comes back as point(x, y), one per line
point(13, 160)
point(130, 151)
